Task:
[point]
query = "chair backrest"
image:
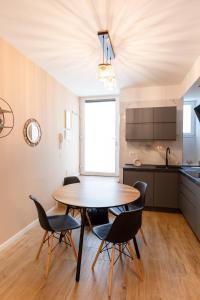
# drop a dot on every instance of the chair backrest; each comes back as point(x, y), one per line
point(142, 187)
point(70, 180)
point(125, 226)
point(44, 223)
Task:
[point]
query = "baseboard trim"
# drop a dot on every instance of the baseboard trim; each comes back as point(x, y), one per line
point(20, 233)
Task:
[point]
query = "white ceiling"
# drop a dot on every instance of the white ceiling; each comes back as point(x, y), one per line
point(155, 41)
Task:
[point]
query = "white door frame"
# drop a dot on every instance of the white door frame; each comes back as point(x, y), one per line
point(82, 135)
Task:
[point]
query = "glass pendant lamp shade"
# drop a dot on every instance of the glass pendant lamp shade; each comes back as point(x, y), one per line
point(105, 71)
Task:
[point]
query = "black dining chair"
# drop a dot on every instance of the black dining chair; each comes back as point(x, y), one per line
point(70, 180)
point(72, 208)
point(119, 233)
point(139, 203)
point(52, 225)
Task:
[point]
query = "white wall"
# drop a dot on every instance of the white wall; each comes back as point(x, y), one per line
point(191, 77)
point(190, 91)
point(190, 150)
point(198, 137)
point(25, 170)
point(190, 143)
point(150, 152)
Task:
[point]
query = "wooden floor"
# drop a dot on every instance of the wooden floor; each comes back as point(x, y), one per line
point(171, 262)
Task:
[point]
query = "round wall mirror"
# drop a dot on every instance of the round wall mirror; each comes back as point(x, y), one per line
point(32, 132)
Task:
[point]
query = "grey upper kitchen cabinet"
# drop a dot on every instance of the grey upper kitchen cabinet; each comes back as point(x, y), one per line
point(164, 131)
point(130, 177)
point(139, 131)
point(165, 114)
point(139, 115)
point(165, 123)
point(166, 189)
point(158, 123)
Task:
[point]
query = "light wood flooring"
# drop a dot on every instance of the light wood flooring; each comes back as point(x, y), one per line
point(171, 262)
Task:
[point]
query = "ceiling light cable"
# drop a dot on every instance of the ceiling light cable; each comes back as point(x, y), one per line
point(107, 55)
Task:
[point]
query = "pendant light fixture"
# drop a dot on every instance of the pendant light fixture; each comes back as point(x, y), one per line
point(105, 69)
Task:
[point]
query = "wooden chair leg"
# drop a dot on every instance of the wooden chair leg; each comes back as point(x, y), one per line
point(72, 245)
point(64, 236)
point(120, 249)
point(111, 270)
point(74, 212)
point(88, 219)
point(135, 261)
point(41, 244)
point(50, 246)
point(77, 213)
point(97, 255)
point(143, 236)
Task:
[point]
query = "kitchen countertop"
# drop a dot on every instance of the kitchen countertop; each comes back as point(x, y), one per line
point(191, 172)
point(159, 168)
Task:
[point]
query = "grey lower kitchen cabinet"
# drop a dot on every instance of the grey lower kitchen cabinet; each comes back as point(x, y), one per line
point(166, 189)
point(189, 203)
point(130, 177)
point(139, 131)
point(162, 189)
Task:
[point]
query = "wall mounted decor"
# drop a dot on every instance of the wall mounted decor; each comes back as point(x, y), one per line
point(60, 140)
point(32, 132)
point(6, 118)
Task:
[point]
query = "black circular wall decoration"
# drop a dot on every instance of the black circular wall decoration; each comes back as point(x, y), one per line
point(6, 118)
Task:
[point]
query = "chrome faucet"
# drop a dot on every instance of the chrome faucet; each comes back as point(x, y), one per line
point(166, 157)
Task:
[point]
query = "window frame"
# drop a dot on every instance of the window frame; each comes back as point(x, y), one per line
point(192, 103)
point(82, 135)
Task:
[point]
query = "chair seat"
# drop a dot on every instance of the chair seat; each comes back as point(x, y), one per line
point(102, 231)
point(116, 211)
point(62, 223)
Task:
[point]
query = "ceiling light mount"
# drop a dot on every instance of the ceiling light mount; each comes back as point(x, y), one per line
point(106, 44)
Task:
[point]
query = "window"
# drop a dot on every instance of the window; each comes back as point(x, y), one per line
point(100, 137)
point(188, 118)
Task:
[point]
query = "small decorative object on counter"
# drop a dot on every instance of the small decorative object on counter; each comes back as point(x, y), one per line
point(137, 163)
point(134, 157)
point(189, 162)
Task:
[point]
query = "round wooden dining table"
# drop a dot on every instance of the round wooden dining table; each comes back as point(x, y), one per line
point(94, 194)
